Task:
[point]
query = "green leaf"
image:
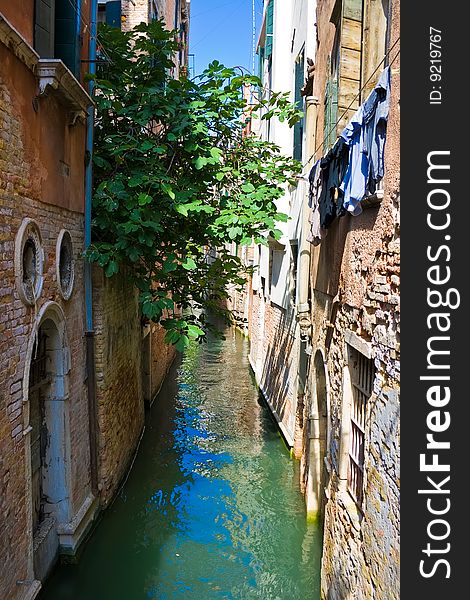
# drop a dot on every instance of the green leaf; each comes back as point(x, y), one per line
point(135, 180)
point(194, 331)
point(144, 199)
point(134, 254)
point(189, 264)
point(99, 161)
point(248, 188)
point(146, 145)
point(168, 190)
point(233, 232)
point(172, 336)
point(200, 162)
point(182, 209)
point(216, 153)
point(111, 269)
point(169, 265)
point(182, 343)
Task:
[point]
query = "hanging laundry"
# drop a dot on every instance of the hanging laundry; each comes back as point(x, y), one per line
point(365, 136)
point(376, 130)
point(333, 168)
point(316, 232)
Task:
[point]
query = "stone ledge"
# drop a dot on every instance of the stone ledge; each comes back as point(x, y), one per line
point(358, 343)
point(71, 534)
point(32, 589)
point(373, 199)
point(54, 77)
point(15, 42)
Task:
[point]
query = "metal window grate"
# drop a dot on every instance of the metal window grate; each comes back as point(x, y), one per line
point(362, 380)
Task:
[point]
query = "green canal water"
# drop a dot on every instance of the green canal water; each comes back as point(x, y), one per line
point(212, 507)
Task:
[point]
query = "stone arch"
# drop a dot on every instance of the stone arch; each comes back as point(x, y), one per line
point(45, 394)
point(318, 438)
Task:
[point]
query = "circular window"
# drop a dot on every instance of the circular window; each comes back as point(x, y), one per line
point(65, 264)
point(29, 262)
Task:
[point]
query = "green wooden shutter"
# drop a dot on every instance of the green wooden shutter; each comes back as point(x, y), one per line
point(299, 126)
point(44, 28)
point(113, 13)
point(66, 46)
point(261, 63)
point(269, 28)
point(331, 114)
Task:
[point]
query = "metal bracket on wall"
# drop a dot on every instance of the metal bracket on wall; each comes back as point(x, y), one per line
point(56, 80)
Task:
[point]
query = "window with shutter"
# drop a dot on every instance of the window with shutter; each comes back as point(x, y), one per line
point(113, 13)
point(331, 113)
point(66, 45)
point(269, 28)
point(299, 126)
point(44, 28)
point(362, 380)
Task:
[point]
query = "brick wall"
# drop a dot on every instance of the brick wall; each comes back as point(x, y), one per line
point(20, 197)
point(274, 350)
point(119, 375)
point(356, 287)
point(161, 358)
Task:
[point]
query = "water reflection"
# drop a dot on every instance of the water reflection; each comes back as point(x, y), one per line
point(212, 508)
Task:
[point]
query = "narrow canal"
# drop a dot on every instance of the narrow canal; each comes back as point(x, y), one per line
point(212, 507)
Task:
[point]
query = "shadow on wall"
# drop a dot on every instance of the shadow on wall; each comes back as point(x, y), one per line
point(327, 271)
point(275, 376)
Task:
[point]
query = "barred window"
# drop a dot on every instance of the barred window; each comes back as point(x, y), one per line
point(362, 380)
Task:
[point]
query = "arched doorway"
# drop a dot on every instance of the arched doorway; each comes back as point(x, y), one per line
point(317, 441)
point(47, 395)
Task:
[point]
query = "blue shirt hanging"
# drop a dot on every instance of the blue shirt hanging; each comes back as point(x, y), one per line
point(365, 134)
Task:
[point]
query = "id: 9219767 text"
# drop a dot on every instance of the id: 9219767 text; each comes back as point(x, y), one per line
point(435, 65)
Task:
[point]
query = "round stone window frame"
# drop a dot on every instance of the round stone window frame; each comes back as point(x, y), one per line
point(28, 234)
point(64, 238)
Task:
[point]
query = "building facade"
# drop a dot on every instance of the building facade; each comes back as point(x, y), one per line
point(287, 39)
point(323, 307)
point(127, 14)
point(47, 498)
point(78, 365)
point(351, 458)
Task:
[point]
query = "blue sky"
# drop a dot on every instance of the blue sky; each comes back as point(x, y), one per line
point(222, 30)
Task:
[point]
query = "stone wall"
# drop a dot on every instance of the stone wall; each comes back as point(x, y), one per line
point(28, 155)
point(162, 356)
point(118, 377)
point(274, 357)
point(120, 373)
point(133, 13)
point(355, 293)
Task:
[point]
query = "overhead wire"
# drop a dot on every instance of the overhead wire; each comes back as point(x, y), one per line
point(87, 27)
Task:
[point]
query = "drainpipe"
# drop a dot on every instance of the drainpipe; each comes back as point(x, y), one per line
point(303, 307)
point(78, 36)
point(89, 330)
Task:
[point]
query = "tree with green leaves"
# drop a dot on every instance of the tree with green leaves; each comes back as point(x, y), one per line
point(175, 178)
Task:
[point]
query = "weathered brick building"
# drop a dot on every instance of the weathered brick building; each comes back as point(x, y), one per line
point(129, 13)
point(326, 350)
point(77, 365)
point(46, 497)
point(351, 460)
